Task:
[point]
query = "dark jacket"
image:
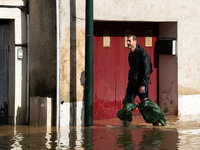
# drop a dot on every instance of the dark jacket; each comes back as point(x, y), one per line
point(140, 67)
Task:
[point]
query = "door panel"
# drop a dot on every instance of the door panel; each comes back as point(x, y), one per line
point(104, 73)
point(3, 72)
point(111, 65)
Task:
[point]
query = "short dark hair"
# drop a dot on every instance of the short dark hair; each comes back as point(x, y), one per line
point(134, 37)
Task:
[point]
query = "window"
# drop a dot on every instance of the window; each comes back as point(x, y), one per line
point(148, 38)
point(106, 38)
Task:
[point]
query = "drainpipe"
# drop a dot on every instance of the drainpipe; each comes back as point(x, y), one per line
point(89, 65)
point(58, 64)
point(28, 61)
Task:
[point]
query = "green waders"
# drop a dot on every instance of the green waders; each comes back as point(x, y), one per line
point(150, 111)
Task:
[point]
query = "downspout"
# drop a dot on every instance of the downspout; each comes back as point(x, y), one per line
point(28, 62)
point(89, 65)
point(58, 64)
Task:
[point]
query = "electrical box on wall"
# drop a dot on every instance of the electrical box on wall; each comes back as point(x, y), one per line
point(20, 53)
point(167, 46)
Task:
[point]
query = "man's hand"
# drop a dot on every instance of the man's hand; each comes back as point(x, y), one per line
point(142, 89)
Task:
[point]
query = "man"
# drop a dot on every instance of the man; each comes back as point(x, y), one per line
point(140, 70)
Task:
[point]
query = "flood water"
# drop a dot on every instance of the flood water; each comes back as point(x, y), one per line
point(180, 133)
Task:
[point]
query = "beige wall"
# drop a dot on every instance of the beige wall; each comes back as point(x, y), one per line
point(72, 50)
point(72, 61)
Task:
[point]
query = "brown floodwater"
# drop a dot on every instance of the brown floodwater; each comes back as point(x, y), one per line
point(180, 133)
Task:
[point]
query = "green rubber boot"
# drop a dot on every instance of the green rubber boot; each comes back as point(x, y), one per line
point(125, 114)
point(151, 112)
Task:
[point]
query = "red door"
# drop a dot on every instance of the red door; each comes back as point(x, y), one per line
point(111, 64)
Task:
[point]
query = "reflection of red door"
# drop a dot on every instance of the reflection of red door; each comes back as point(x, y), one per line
point(111, 64)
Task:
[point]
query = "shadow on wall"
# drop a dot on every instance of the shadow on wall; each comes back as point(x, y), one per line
point(82, 79)
point(20, 117)
point(73, 63)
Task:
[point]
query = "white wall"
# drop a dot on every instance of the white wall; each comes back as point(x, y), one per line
point(12, 2)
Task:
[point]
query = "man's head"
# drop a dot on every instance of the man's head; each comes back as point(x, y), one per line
point(132, 42)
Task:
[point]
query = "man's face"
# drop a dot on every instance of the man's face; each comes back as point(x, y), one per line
point(131, 44)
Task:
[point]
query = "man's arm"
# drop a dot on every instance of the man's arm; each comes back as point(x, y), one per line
point(146, 60)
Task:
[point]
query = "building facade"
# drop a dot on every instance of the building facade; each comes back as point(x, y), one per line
point(177, 78)
point(54, 34)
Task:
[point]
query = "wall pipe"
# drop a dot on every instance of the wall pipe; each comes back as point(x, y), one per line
point(89, 65)
point(28, 62)
point(58, 64)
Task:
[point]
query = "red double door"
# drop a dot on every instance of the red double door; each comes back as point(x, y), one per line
point(111, 64)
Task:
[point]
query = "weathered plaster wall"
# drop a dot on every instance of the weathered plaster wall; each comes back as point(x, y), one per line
point(72, 49)
point(72, 60)
point(43, 49)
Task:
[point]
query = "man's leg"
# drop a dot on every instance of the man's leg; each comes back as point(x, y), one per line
point(131, 91)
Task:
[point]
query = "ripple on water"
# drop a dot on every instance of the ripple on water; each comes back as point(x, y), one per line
point(180, 133)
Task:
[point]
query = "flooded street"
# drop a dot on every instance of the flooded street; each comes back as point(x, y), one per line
point(180, 133)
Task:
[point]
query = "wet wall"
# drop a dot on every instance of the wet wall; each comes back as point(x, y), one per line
point(43, 49)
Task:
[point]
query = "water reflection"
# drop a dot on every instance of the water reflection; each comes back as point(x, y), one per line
point(110, 135)
point(153, 138)
point(124, 139)
point(189, 138)
point(6, 136)
point(17, 138)
point(88, 138)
